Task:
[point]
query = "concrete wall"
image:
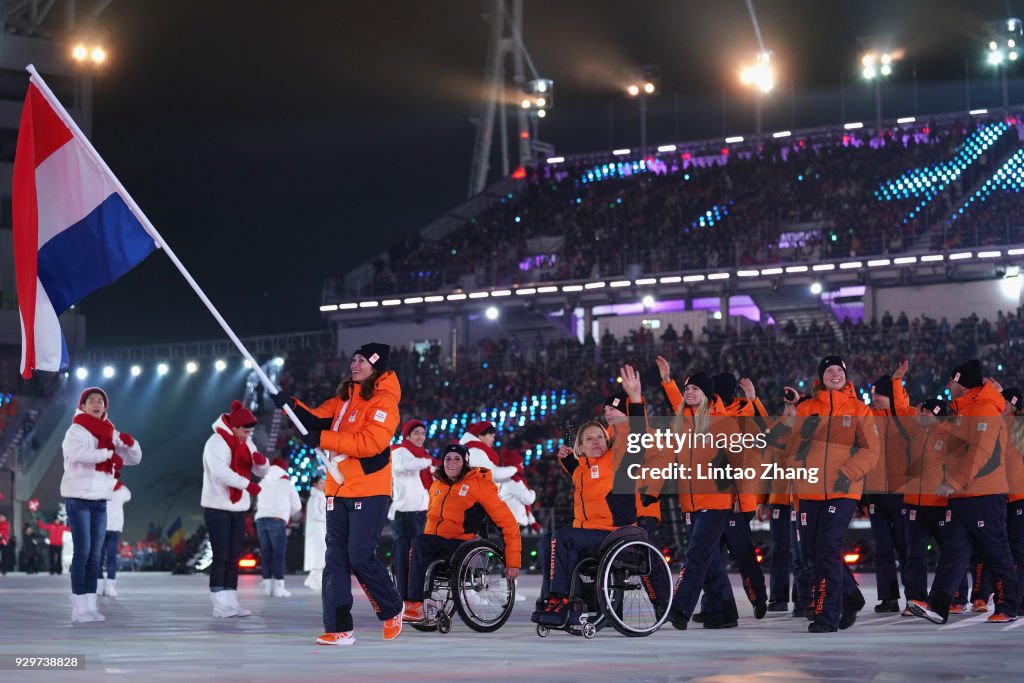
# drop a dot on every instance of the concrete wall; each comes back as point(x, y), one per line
point(951, 300)
point(621, 325)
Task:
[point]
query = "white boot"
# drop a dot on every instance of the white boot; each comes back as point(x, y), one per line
point(100, 587)
point(111, 588)
point(78, 609)
point(90, 606)
point(268, 587)
point(279, 590)
point(221, 606)
point(232, 598)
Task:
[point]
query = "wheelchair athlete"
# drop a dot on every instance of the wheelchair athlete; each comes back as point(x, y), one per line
point(460, 496)
point(604, 500)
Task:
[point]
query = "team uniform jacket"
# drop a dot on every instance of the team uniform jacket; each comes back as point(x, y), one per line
point(890, 474)
point(457, 511)
point(361, 430)
point(978, 444)
point(929, 451)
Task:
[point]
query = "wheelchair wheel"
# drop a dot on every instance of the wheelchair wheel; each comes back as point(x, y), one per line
point(543, 630)
point(482, 594)
point(437, 590)
point(624, 577)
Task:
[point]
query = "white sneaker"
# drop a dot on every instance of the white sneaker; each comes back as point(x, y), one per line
point(221, 606)
point(101, 587)
point(79, 613)
point(279, 590)
point(268, 587)
point(90, 606)
point(232, 598)
point(111, 588)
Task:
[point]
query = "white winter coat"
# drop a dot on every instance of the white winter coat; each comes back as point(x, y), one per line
point(278, 497)
point(115, 509)
point(408, 494)
point(316, 531)
point(517, 496)
point(218, 475)
point(478, 458)
point(82, 454)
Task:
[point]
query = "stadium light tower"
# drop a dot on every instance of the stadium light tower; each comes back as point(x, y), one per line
point(642, 83)
point(876, 64)
point(760, 76)
point(1004, 39)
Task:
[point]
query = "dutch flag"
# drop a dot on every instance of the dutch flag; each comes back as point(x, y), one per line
point(74, 230)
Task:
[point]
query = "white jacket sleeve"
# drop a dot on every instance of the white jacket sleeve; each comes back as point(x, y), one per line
point(403, 461)
point(217, 457)
point(520, 492)
point(259, 470)
point(132, 455)
point(79, 446)
point(478, 458)
point(127, 493)
point(294, 502)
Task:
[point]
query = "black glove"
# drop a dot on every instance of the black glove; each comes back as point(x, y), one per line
point(312, 439)
point(280, 399)
point(809, 426)
point(842, 484)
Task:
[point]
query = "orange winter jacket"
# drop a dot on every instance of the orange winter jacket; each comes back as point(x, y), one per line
point(362, 430)
point(1014, 466)
point(604, 496)
point(834, 433)
point(977, 462)
point(929, 452)
point(457, 510)
point(890, 474)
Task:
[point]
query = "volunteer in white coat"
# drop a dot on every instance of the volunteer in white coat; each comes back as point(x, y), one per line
point(277, 503)
point(315, 556)
point(410, 479)
point(479, 439)
point(112, 541)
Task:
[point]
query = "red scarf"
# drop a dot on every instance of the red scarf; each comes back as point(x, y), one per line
point(103, 430)
point(241, 459)
point(491, 453)
point(426, 476)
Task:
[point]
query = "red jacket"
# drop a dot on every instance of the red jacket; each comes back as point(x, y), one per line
point(5, 532)
point(56, 531)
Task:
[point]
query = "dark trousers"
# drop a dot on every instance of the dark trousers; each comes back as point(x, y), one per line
point(353, 532)
point(227, 531)
point(404, 528)
point(425, 549)
point(983, 520)
point(657, 585)
point(981, 575)
point(273, 534)
point(803, 571)
point(781, 563)
point(888, 527)
point(738, 541)
point(823, 524)
point(55, 552)
point(563, 553)
point(704, 566)
point(6, 558)
point(1015, 530)
point(924, 524)
point(110, 553)
point(88, 522)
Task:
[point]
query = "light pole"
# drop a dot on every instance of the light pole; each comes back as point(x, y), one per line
point(643, 83)
point(761, 77)
point(875, 67)
point(1005, 40)
point(89, 57)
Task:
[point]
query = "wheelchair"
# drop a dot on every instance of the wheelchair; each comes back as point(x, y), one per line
point(473, 583)
point(613, 585)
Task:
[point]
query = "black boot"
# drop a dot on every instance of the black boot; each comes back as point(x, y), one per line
point(819, 627)
point(678, 619)
point(850, 610)
point(887, 606)
point(727, 618)
point(778, 606)
point(699, 617)
point(761, 609)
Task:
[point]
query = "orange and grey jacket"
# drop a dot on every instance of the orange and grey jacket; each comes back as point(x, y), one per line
point(890, 474)
point(457, 511)
point(929, 451)
point(362, 430)
point(976, 456)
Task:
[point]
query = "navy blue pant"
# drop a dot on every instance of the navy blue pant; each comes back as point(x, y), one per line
point(823, 524)
point(888, 527)
point(981, 519)
point(404, 528)
point(737, 540)
point(657, 584)
point(781, 562)
point(803, 572)
point(88, 522)
point(273, 536)
point(1015, 529)
point(111, 553)
point(425, 549)
point(563, 553)
point(227, 531)
point(353, 531)
point(704, 566)
point(981, 575)
point(924, 524)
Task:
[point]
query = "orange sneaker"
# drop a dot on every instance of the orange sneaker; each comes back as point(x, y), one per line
point(979, 606)
point(347, 638)
point(413, 613)
point(957, 609)
point(393, 626)
point(1000, 618)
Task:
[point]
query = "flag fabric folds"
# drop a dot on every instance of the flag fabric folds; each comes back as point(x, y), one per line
point(74, 232)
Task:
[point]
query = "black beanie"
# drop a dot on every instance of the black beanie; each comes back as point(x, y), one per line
point(617, 401)
point(725, 386)
point(968, 375)
point(456, 448)
point(936, 406)
point(377, 355)
point(702, 382)
point(828, 361)
point(1014, 397)
point(883, 386)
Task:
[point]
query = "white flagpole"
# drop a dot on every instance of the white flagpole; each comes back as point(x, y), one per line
point(148, 226)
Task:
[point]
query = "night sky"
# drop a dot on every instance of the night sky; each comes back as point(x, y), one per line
point(274, 147)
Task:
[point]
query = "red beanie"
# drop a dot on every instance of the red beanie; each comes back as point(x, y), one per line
point(411, 425)
point(240, 416)
point(480, 428)
point(279, 462)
